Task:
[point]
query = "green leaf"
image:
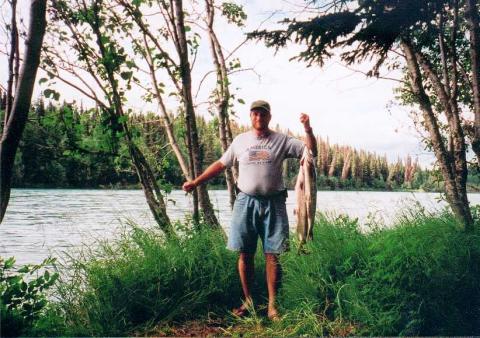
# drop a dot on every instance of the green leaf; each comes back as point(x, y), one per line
point(104, 39)
point(31, 287)
point(9, 263)
point(24, 269)
point(234, 13)
point(130, 64)
point(50, 93)
point(42, 80)
point(126, 75)
point(14, 279)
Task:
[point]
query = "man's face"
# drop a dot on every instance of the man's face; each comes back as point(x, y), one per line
point(260, 119)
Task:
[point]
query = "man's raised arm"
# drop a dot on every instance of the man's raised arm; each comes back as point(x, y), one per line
point(213, 170)
point(310, 141)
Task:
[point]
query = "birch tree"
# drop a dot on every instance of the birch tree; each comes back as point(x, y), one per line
point(18, 106)
point(155, 46)
point(104, 71)
point(222, 95)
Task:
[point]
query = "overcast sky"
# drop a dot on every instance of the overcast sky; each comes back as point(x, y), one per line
point(343, 105)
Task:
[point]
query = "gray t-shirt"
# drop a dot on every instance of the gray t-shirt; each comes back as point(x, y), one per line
point(260, 160)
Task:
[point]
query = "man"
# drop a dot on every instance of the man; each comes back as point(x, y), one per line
point(259, 210)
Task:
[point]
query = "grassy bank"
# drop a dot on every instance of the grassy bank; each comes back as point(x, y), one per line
point(421, 277)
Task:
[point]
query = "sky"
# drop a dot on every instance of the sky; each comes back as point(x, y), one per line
point(344, 106)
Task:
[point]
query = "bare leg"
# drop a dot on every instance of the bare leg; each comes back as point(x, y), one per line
point(273, 279)
point(246, 268)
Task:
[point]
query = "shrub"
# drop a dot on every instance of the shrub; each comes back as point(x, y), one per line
point(22, 295)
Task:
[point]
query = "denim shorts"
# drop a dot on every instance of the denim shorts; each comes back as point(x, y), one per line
point(264, 217)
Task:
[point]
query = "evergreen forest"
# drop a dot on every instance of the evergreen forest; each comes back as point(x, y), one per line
point(66, 146)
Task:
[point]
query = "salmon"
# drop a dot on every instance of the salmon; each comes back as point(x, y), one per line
point(306, 194)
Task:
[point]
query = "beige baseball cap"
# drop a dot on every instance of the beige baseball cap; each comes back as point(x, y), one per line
point(260, 104)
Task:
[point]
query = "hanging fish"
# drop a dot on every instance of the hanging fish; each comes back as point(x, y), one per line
point(306, 193)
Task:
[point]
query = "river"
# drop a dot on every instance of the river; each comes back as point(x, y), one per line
point(42, 222)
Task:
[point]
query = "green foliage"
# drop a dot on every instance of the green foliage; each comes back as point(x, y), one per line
point(23, 294)
point(50, 93)
point(366, 29)
point(419, 278)
point(143, 279)
point(67, 146)
point(234, 13)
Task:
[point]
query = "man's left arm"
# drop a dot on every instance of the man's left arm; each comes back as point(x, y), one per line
point(310, 141)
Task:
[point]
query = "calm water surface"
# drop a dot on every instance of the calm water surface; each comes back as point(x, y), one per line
point(40, 222)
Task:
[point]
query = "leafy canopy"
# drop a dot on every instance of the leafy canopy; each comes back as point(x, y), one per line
point(362, 29)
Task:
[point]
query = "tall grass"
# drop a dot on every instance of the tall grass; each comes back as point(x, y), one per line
point(421, 277)
point(134, 283)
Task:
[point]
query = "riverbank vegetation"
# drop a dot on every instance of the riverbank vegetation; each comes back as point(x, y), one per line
point(420, 277)
point(69, 147)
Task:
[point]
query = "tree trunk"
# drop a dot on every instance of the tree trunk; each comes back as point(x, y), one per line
point(222, 94)
point(166, 118)
point(145, 174)
point(456, 137)
point(17, 119)
point(230, 139)
point(474, 29)
point(203, 198)
point(12, 58)
point(193, 172)
point(455, 178)
point(150, 187)
point(457, 145)
point(346, 165)
point(331, 168)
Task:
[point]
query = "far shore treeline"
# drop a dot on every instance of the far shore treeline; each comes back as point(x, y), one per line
point(66, 146)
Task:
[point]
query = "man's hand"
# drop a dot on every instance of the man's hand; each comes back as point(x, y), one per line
point(189, 186)
point(305, 120)
point(310, 141)
point(213, 170)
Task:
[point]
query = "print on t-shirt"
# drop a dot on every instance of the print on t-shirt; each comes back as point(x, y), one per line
point(259, 155)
